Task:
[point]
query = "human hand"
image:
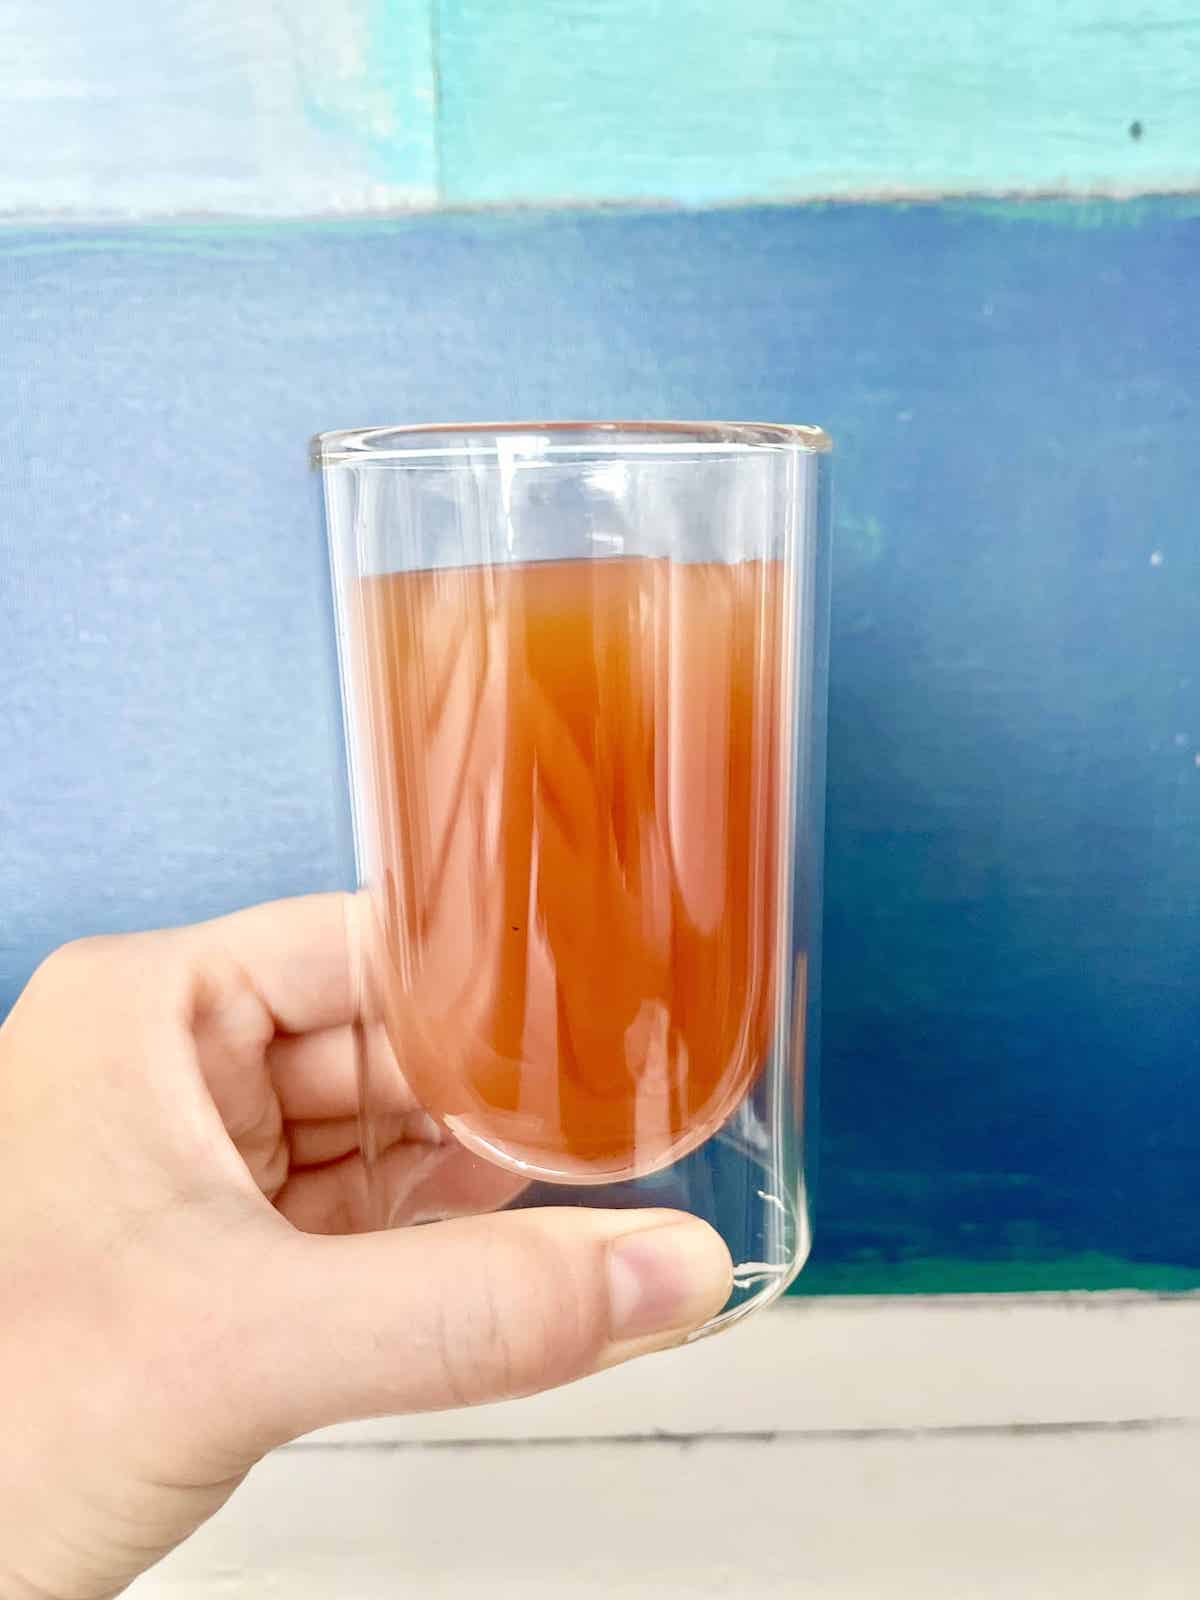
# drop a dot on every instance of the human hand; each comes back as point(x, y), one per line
point(178, 1141)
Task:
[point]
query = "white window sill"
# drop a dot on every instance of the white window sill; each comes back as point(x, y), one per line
point(1032, 1446)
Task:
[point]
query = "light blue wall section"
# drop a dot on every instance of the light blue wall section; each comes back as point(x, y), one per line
point(125, 107)
point(253, 107)
point(710, 101)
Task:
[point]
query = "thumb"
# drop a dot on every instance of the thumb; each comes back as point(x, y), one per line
point(456, 1313)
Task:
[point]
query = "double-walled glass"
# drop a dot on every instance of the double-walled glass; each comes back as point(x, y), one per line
point(583, 674)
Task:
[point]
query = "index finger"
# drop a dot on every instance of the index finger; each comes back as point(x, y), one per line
point(300, 957)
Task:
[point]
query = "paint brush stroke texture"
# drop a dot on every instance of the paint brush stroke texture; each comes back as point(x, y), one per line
point(124, 108)
point(260, 107)
point(708, 101)
point(1012, 979)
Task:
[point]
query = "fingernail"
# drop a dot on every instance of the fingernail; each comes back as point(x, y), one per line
point(666, 1279)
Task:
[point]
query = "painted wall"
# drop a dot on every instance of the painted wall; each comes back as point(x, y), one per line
point(262, 109)
point(1011, 1089)
point(215, 106)
point(706, 101)
point(1014, 839)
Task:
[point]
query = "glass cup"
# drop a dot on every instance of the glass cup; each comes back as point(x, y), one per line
point(583, 680)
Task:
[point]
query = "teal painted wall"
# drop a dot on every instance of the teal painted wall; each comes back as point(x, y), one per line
point(703, 101)
point(249, 107)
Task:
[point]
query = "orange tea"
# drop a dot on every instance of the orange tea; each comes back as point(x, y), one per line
point(573, 774)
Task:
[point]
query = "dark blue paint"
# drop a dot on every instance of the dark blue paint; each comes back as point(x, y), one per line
point(1012, 964)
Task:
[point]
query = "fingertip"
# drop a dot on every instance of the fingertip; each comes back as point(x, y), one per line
point(666, 1279)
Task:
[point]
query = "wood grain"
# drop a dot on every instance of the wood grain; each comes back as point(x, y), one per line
point(994, 1517)
point(860, 1366)
point(984, 1447)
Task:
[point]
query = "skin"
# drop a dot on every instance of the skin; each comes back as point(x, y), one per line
point(184, 1271)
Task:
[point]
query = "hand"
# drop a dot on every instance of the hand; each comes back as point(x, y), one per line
point(177, 1141)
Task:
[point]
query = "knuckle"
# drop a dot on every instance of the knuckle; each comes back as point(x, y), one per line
point(63, 968)
point(77, 965)
point(56, 992)
point(535, 1321)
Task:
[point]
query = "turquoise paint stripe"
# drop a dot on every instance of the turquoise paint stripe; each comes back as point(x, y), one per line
point(1091, 1271)
point(1079, 214)
point(703, 102)
point(244, 107)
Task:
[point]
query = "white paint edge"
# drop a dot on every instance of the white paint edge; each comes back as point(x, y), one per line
point(868, 1365)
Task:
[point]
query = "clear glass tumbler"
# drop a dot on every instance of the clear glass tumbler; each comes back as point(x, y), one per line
point(584, 676)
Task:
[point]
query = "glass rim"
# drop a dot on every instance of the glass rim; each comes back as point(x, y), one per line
point(448, 441)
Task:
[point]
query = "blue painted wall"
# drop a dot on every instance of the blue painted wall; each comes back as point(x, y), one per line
point(1012, 1084)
